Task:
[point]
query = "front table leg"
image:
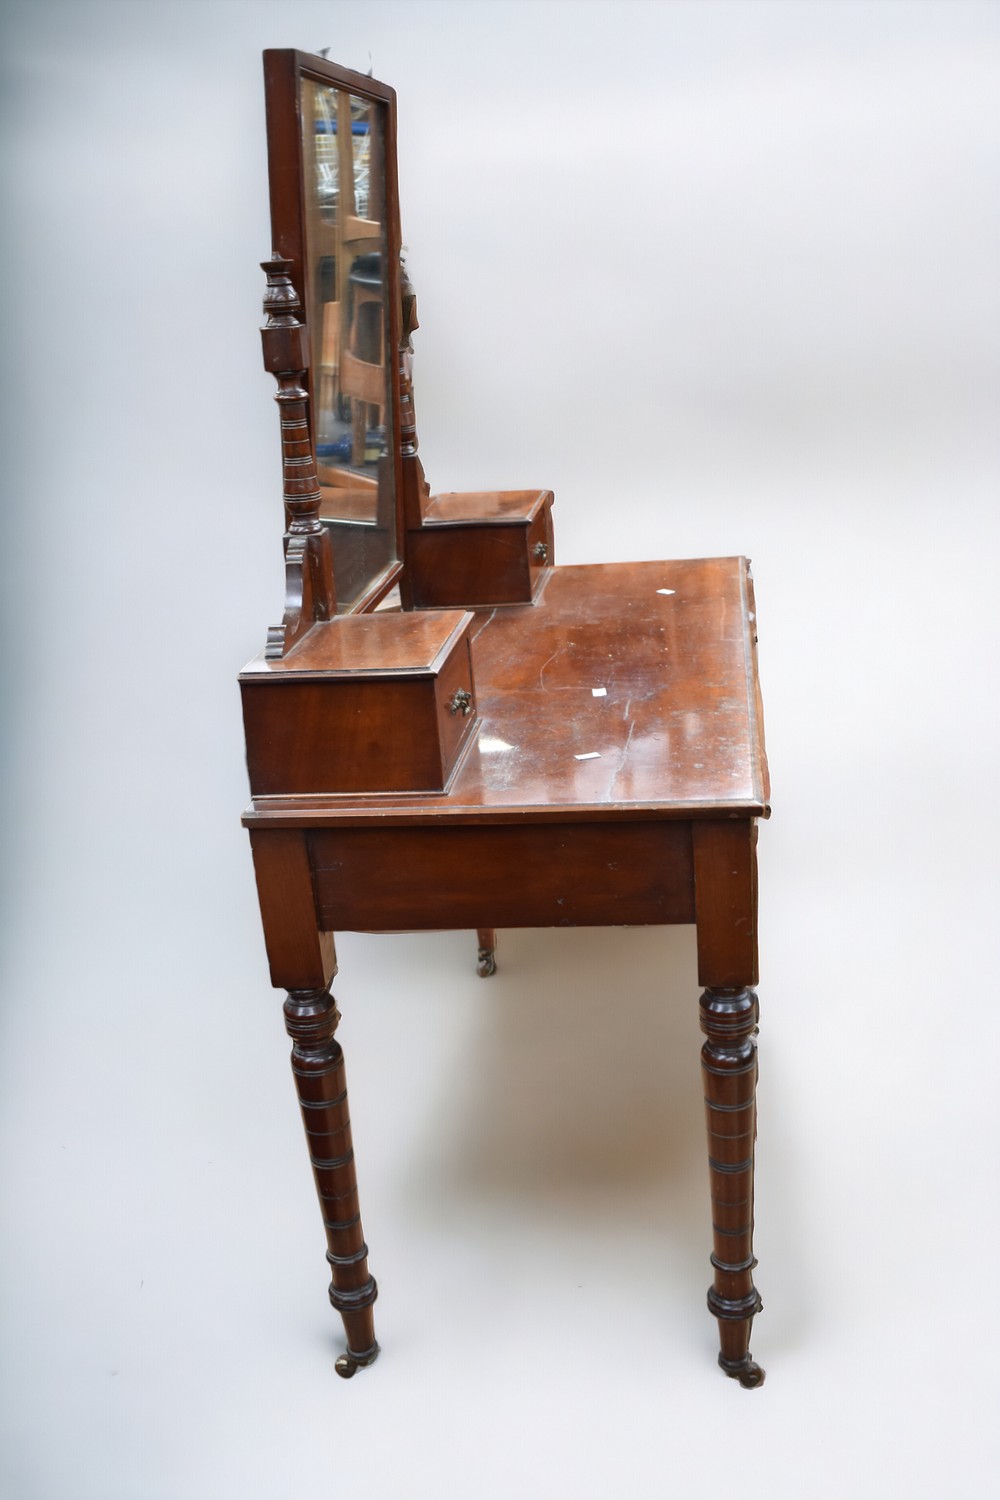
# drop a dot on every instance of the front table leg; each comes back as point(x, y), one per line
point(725, 873)
point(729, 1070)
point(311, 1018)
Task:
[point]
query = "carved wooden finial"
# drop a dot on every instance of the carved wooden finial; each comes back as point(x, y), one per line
point(309, 592)
point(286, 355)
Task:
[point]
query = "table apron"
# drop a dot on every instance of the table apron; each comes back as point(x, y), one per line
point(534, 875)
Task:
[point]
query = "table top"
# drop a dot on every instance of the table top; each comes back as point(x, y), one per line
point(627, 690)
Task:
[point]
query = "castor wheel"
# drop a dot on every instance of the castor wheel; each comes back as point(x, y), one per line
point(350, 1363)
point(747, 1371)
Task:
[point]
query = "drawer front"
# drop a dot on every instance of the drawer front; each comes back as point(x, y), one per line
point(541, 875)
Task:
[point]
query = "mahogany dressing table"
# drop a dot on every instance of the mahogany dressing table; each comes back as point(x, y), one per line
point(446, 730)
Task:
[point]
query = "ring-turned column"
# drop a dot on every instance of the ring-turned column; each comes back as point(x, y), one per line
point(311, 1018)
point(725, 878)
point(729, 1070)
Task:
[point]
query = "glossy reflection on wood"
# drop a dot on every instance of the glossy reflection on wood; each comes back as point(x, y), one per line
point(626, 687)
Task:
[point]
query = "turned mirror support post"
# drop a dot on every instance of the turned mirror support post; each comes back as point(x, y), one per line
point(725, 864)
point(309, 591)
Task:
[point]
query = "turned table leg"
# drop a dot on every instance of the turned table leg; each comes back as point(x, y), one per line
point(729, 1070)
point(303, 962)
point(311, 1018)
point(725, 869)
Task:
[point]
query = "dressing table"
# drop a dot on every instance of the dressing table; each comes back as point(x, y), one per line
point(446, 730)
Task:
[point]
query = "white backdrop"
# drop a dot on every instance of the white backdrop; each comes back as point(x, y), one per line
point(723, 276)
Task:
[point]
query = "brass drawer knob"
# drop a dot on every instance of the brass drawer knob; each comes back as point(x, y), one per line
point(461, 703)
point(541, 550)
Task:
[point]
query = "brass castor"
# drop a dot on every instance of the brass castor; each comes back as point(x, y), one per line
point(487, 963)
point(747, 1371)
point(350, 1363)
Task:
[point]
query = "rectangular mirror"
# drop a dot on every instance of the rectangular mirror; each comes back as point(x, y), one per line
point(334, 214)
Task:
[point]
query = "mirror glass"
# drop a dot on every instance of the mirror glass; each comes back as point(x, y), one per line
point(346, 244)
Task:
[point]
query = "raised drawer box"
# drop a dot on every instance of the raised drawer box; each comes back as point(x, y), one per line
point(479, 551)
point(365, 703)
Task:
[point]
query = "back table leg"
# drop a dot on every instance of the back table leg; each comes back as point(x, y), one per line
point(487, 957)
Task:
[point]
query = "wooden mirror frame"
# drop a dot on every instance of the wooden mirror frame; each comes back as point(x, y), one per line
point(283, 73)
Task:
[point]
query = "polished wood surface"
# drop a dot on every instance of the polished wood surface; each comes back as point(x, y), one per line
point(415, 644)
point(498, 506)
point(626, 689)
point(584, 748)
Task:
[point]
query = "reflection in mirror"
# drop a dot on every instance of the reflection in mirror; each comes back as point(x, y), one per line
point(347, 313)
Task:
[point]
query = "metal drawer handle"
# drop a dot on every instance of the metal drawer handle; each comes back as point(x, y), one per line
point(541, 550)
point(461, 703)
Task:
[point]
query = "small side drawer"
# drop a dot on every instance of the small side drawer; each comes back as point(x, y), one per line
point(481, 551)
point(363, 705)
